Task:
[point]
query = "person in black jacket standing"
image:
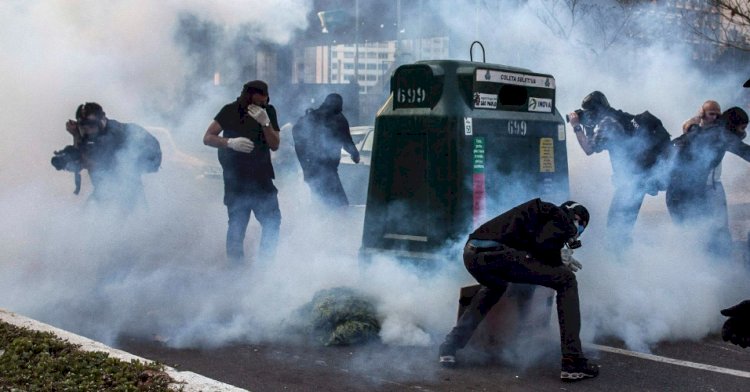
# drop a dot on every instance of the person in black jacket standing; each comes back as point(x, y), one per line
point(319, 137)
point(250, 132)
point(531, 243)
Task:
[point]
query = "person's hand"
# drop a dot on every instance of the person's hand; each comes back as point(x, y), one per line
point(573, 119)
point(72, 127)
point(240, 144)
point(569, 261)
point(259, 114)
point(355, 157)
point(737, 328)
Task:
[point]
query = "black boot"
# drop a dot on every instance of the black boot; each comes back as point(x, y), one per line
point(577, 368)
point(447, 355)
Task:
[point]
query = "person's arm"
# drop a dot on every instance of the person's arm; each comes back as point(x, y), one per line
point(346, 138)
point(553, 235)
point(212, 138)
point(272, 132)
point(737, 147)
point(266, 117)
point(72, 127)
point(689, 123)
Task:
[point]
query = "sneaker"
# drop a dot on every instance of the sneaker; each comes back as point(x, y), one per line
point(574, 369)
point(447, 356)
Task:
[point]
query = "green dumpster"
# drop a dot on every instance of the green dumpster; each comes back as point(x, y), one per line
point(456, 143)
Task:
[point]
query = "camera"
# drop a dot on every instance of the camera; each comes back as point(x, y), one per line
point(585, 117)
point(578, 112)
point(69, 159)
point(573, 243)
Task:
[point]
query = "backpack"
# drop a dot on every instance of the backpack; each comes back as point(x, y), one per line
point(654, 156)
point(302, 135)
point(149, 149)
point(649, 129)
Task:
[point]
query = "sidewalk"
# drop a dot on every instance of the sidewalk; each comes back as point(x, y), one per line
point(189, 381)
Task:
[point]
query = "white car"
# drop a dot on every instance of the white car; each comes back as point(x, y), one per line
point(355, 177)
point(174, 159)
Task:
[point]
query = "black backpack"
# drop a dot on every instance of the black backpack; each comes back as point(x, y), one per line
point(649, 129)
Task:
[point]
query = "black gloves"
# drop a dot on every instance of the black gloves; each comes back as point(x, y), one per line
point(737, 328)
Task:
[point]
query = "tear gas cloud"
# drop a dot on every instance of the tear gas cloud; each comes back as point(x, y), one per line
point(643, 296)
point(162, 272)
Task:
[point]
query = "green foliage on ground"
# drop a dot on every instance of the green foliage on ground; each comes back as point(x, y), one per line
point(341, 316)
point(39, 361)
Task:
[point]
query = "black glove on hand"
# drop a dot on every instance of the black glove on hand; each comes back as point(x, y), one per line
point(737, 328)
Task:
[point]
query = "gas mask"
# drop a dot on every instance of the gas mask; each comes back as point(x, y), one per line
point(574, 242)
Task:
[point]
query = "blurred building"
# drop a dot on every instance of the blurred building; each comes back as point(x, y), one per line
point(710, 31)
point(361, 42)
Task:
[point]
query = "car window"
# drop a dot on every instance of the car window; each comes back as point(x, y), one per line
point(357, 137)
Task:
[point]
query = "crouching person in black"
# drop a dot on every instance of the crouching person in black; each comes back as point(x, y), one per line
point(530, 244)
point(115, 155)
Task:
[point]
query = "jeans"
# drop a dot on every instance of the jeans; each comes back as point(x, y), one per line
point(494, 269)
point(622, 215)
point(325, 184)
point(265, 205)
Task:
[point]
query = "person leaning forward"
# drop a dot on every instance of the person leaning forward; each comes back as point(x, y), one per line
point(250, 132)
point(531, 243)
point(637, 146)
point(115, 154)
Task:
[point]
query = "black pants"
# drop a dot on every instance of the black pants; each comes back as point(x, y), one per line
point(265, 204)
point(703, 206)
point(325, 184)
point(494, 270)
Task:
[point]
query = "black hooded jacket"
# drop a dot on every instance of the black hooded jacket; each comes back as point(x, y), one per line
point(537, 227)
point(320, 135)
point(698, 152)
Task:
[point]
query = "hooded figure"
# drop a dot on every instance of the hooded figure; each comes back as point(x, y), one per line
point(319, 137)
point(690, 198)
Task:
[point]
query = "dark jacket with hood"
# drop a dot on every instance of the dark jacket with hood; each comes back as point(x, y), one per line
point(698, 152)
point(537, 227)
point(320, 135)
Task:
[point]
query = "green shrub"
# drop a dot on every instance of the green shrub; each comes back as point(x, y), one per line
point(39, 361)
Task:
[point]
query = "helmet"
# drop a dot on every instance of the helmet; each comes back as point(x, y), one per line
point(577, 209)
point(595, 101)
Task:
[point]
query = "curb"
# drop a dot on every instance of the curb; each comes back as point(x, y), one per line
point(189, 381)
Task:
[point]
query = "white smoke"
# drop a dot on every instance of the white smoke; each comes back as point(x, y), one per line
point(666, 287)
point(163, 272)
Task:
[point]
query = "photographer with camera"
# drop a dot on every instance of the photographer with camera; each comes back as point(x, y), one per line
point(115, 155)
point(637, 146)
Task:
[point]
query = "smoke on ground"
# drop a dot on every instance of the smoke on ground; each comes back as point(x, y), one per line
point(163, 271)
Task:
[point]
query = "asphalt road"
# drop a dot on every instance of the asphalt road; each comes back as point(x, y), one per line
point(701, 366)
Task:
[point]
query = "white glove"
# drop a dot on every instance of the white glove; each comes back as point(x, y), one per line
point(241, 144)
point(569, 261)
point(259, 114)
